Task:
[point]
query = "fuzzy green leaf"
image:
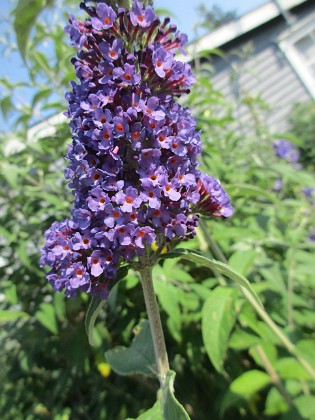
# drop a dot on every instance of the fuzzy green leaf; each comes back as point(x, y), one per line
point(171, 408)
point(139, 358)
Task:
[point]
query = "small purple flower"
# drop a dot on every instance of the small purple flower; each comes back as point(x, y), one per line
point(82, 218)
point(128, 200)
point(140, 16)
point(111, 51)
point(78, 275)
point(162, 60)
point(105, 17)
point(143, 235)
point(98, 261)
point(127, 75)
point(150, 108)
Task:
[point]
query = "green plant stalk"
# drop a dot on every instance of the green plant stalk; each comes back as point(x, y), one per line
point(260, 311)
point(155, 324)
point(274, 377)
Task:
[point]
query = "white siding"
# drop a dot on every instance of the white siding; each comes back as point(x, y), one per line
point(264, 73)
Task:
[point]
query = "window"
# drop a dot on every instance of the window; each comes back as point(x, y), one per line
point(299, 48)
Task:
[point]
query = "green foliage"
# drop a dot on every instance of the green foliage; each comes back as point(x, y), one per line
point(302, 122)
point(228, 362)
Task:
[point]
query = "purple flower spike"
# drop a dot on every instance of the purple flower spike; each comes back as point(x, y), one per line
point(133, 161)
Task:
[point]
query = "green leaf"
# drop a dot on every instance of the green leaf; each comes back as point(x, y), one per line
point(242, 261)
point(138, 358)
point(306, 406)
point(25, 15)
point(275, 403)
point(40, 95)
point(241, 340)
point(6, 105)
point(191, 255)
point(290, 368)
point(47, 317)
point(7, 316)
point(95, 307)
point(171, 408)
point(249, 383)
point(153, 413)
point(218, 318)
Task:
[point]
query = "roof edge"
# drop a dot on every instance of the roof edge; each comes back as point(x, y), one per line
point(241, 26)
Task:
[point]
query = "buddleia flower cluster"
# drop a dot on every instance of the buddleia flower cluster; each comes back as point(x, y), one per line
point(133, 161)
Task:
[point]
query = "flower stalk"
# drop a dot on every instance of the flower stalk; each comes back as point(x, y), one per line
point(155, 323)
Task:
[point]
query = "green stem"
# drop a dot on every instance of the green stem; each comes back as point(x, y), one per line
point(155, 324)
point(275, 378)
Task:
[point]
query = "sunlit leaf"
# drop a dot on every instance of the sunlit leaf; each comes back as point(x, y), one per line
point(249, 383)
point(218, 318)
point(7, 316)
point(218, 266)
point(25, 15)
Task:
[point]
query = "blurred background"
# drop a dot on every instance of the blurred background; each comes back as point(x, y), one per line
point(254, 102)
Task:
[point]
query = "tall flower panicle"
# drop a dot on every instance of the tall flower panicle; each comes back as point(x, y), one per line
point(133, 160)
